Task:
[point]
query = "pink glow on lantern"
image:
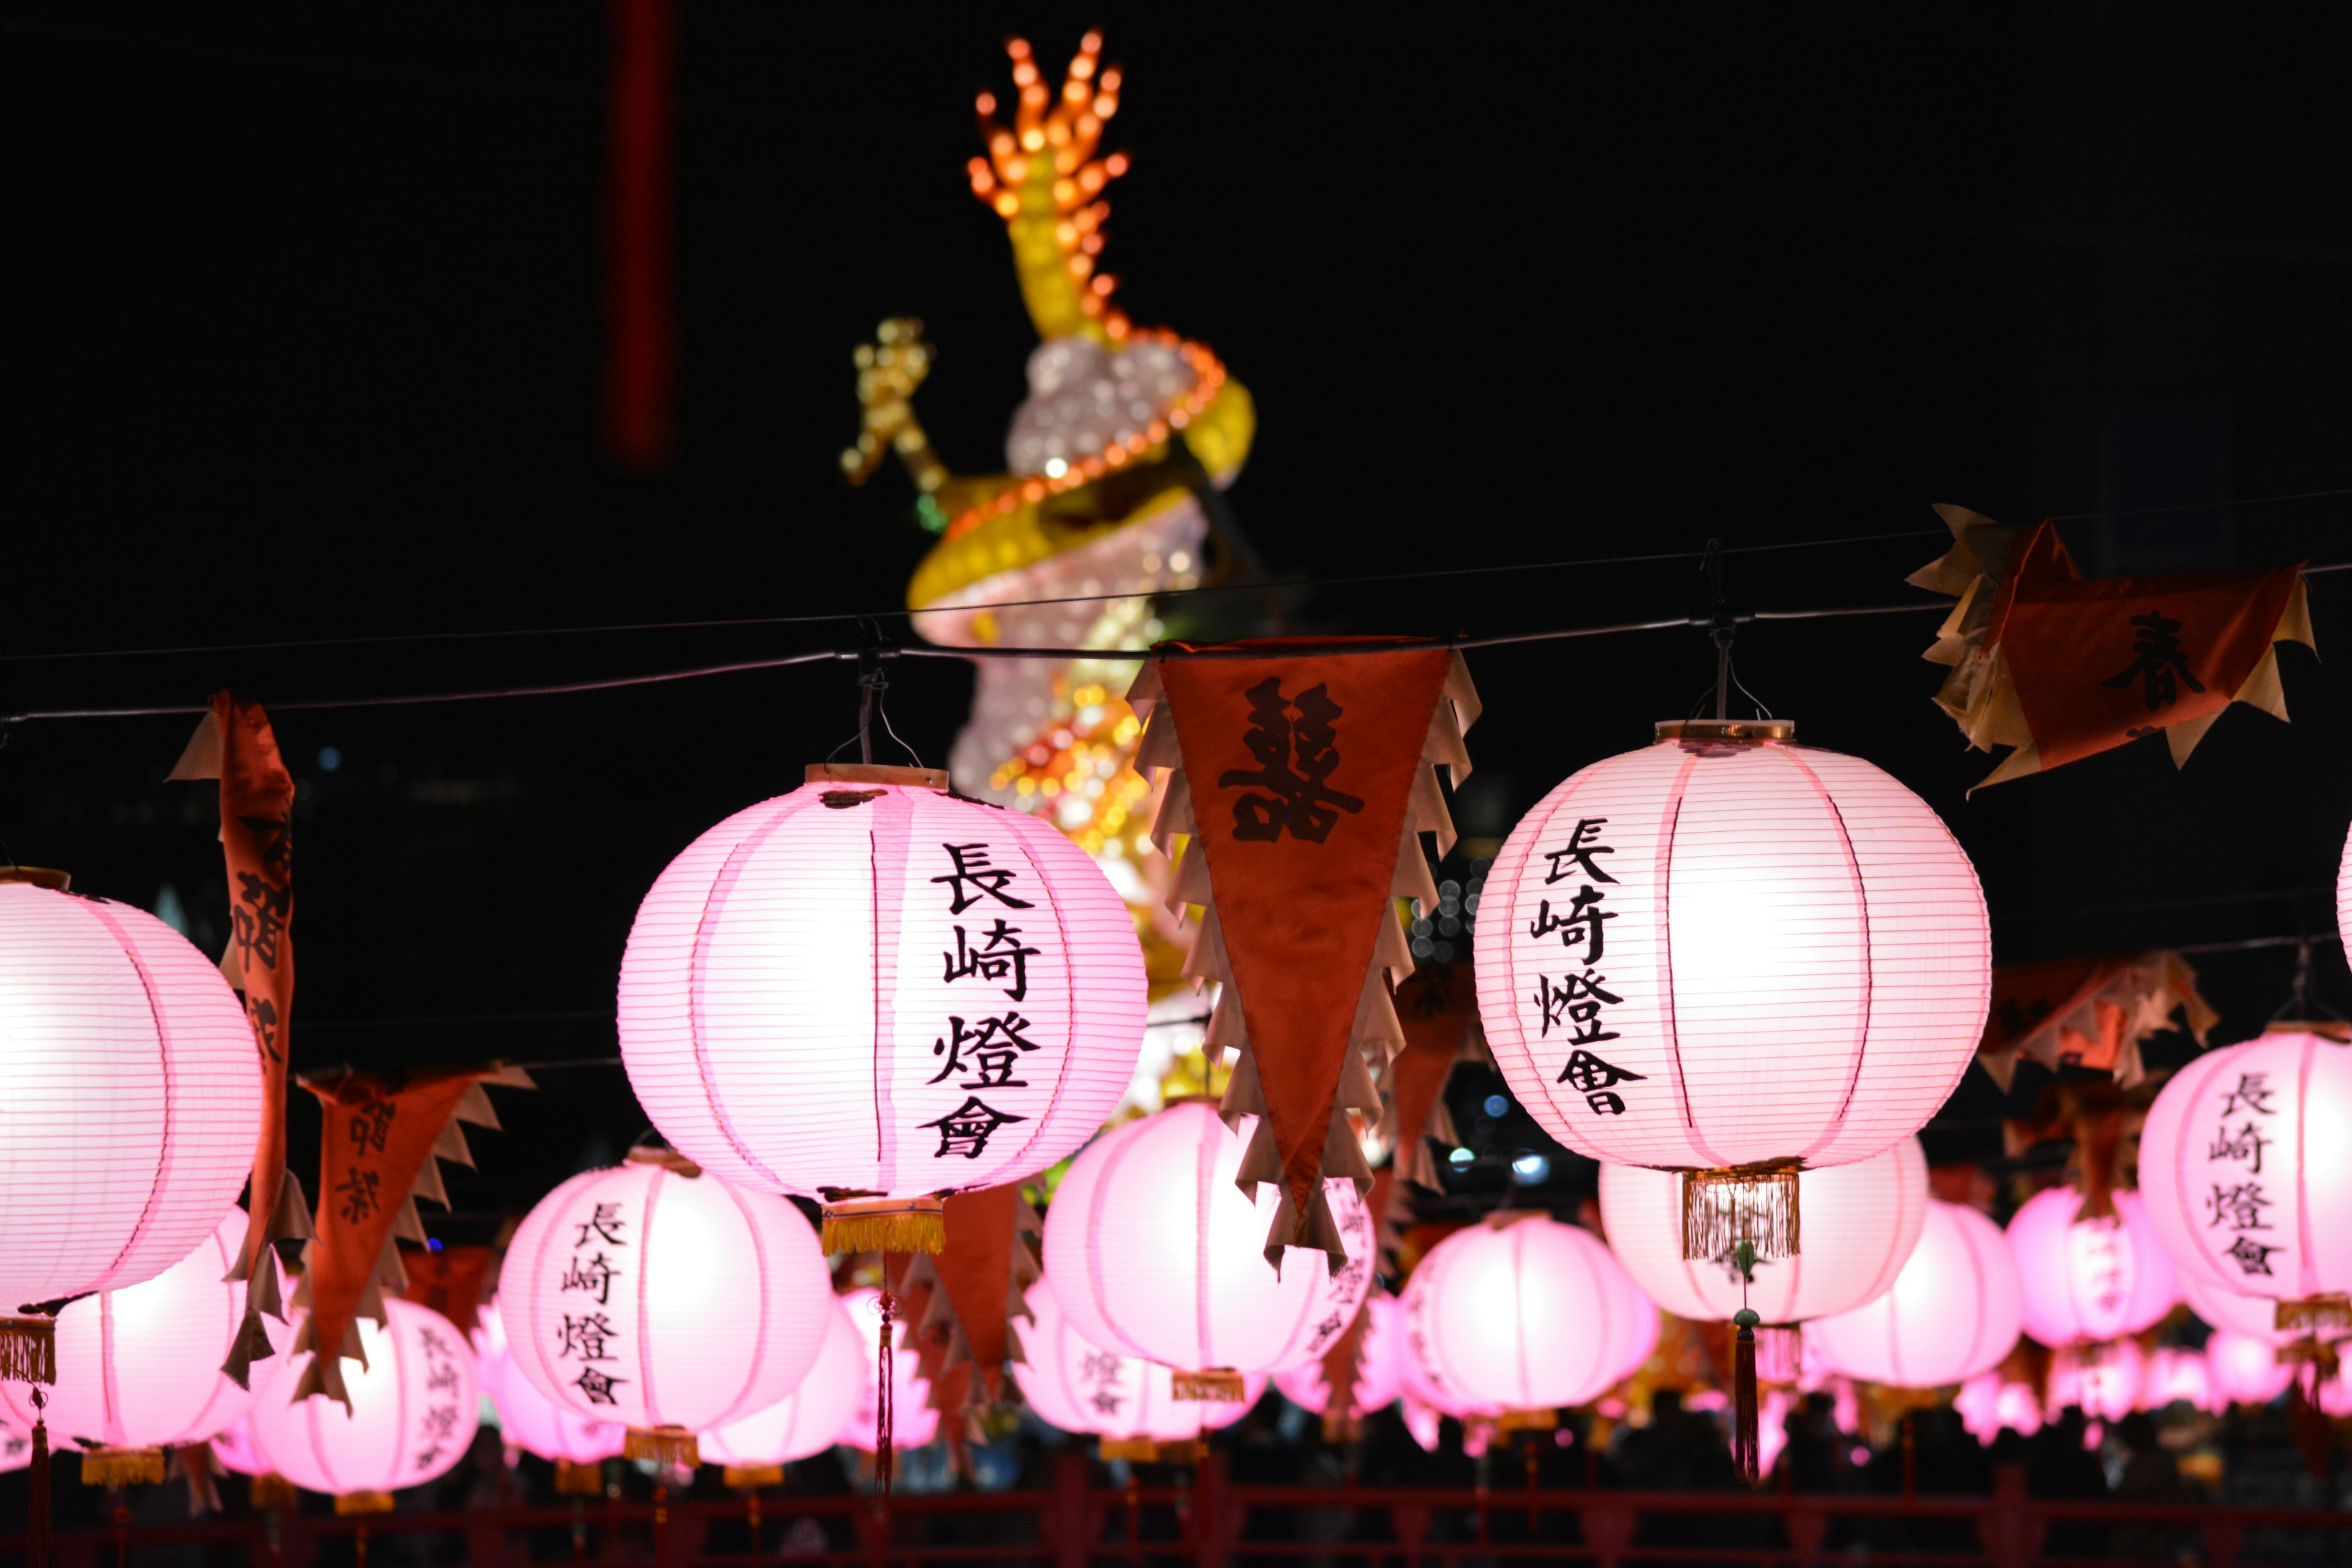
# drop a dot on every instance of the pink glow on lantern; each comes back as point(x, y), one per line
point(528, 1419)
point(2105, 1381)
point(812, 1419)
point(866, 915)
point(1072, 1384)
point(1797, 958)
point(913, 1422)
point(714, 1300)
point(1772, 1411)
point(2174, 1373)
point(413, 1415)
point(233, 1446)
point(1861, 1222)
point(140, 1367)
point(1156, 1253)
point(2240, 1369)
point(1379, 1366)
point(1425, 1422)
point(1987, 1403)
point(1952, 1313)
point(2245, 1162)
point(2252, 1315)
point(1486, 1314)
point(2087, 1280)
point(133, 1093)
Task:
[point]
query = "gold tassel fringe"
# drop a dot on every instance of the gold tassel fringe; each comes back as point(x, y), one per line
point(886, 1224)
point(349, 1503)
point(1184, 1451)
point(1779, 1352)
point(121, 1467)
point(2313, 1314)
point(663, 1444)
point(29, 1350)
point(1217, 1385)
point(752, 1477)
point(1754, 1204)
point(1527, 1421)
point(274, 1494)
point(1135, 1450)
point(578, 1480)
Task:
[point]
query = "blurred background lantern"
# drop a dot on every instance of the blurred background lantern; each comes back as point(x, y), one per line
point(1130, 1404)
point(1952, 1313)
point(2244, 1163)
point(1158, 1255)
point(809, 1420)
point(1729, 955)
point(913, 1422)
point(138, 1368)
point(2104, 1380)
point(1991, 1401)
point(534, 1424)
point(664, 1299)
point(133, 1104)
point(989, 972)
point(2245, 1369)
point(2087, 1281)
point(413, 1415)
point(2174, 1373)
point(2253, 1315)
point(1376, 1375)
point(1524, 1315)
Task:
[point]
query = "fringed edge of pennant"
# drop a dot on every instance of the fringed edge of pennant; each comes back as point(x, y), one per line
point(122, 1466)
point(1210, 1385)
point(673, 1445)
point(193, 1463)
point(885, 1225)
point(2309, 1314)
point(28, 1349)
point(1751, 1203)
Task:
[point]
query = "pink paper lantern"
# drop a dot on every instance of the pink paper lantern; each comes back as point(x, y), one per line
point(1379, 1366)
point(413, 1410)
point(913, 1422)
point(2105, 1381)
point(2083, 1281)
point(2253, 1315)
point(1729, 951)
point(1861, 1223)
point(233, 1446)
point(1075, 1386)
point(528, 1419)
point(811, 1420)
point(2245, 1369)
point(669, 1302)
point(2173, 1374)
point(1527, 1315)
point(1988, 1402)
point(1953, 1311)
point(985, 968)
point(1158, 1255)
point(140, 1367)
point(2245, 1162)
point(134, 1094)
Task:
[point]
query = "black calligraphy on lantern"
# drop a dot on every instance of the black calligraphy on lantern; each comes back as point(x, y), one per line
point(2250, 1255)
point(1295, 744)
point(1576, 860)
point(588, 1337)
point(972, 879)
point(604, 1223)
point(1581, 923)
point(1575, 1005)
point(2237, 1205)
point(445, 1388)
point(593, 1276)
point(1000, 959)
point(2253, 1093)
point(2157, 663)
point(591, 1271)
point(988, 1048)
point(357, 1195)
point(2246, 1145)
point(1597, 1081)
point(967, 1129)
point(370, 1125)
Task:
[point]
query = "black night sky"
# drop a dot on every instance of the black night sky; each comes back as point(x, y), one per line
point(303, 336)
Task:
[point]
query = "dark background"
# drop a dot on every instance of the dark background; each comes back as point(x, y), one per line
point(302, 340)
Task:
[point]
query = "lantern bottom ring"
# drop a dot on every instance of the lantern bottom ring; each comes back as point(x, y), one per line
point(752, 1477)
point(1527, 1421)
point(28, 1349)
point(886, 1224)
point(1752, 1203)
point(121, 1467)
point(364, 1503)
point(573, 1479)
point(2309, 1314)
point(274, 1494)
point(1135, 1450)
point(673, 1445)
point(1211, 1385)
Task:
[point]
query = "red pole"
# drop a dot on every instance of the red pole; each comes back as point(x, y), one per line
point(640, 320)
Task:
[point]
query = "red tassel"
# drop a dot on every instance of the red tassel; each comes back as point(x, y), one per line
point(885, 1461)
point(36, 1495)
point(1743, 1378)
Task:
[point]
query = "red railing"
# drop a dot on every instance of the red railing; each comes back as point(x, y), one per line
point(1210, 1524)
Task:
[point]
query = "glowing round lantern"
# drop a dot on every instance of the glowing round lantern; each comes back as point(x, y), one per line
point(2245, 1369)
point(2255, 1316)
point(1156, 1253)
point(2085, 1281)
point(1951, 1313)
point(535, 1423)
point(664, 1299)
point(2174, 1373)
point(811, 1420)
point(134, 1099)
point(1488, 1316)
point(1989, 1401)
point(232, 1446)
point(1129, 1402)
point(2245, 1162)
point(982, 967)
point(413, 1415)
point(1735, 957)
point(138, 1368)
point(1861, 1222)
point(913, 1422)
point(1379, 1372)
point(2105, 1381)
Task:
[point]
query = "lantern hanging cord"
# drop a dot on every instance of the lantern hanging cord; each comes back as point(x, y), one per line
point(873, 684)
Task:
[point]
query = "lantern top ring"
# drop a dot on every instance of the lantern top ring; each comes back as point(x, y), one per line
point(1750, 730)
point(873, 773)
point(39, 876)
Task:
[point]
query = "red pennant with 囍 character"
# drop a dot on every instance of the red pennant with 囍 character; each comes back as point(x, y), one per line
point(1301, 778)
point(2060, 666)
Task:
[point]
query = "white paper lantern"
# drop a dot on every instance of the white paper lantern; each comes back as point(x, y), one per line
point(666, 1302)
point(2244, 1162)
point(133, 1094)
point(138, 1368)
point(1729, 954)
point(1129, 1402)
point(1862, 1221)
point(811, 1419)
point(1159, 1255)
point(413, 1410)
point(872, 990)
point(1952, 1313)
point(2088, 1282)
point(528, 1419)
point(1527, 1315)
